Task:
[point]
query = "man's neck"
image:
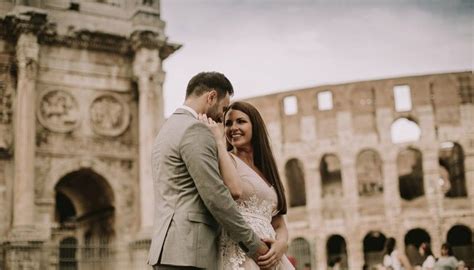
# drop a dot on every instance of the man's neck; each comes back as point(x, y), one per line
point(193, 104)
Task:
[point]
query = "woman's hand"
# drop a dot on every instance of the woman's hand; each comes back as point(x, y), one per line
point(217, 129)
point(273, 256)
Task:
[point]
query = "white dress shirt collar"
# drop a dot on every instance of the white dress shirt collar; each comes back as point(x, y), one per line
point(191, 110)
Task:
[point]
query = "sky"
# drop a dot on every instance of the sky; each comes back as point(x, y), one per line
point(268, 46)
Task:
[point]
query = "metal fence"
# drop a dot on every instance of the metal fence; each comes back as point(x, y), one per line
point(70, 256)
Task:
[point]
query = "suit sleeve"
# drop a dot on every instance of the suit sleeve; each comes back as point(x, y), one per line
point(198, 150)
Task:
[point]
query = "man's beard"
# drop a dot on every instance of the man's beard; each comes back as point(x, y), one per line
point(213, 113)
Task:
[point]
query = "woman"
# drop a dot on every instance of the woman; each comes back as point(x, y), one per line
point(393, 259)
point(446, 261)
point(250, 172)
point(425, 251)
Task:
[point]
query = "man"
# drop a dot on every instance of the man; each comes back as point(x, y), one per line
point(191, 201)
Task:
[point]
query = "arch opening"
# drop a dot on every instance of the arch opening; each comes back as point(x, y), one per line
point(336, 252)
point(413, 239)
point(296, 183)
point(452, 174)
point(461, 239)
point(300, 250)
point(85, 209)
point(331, 181)
point(373, 246)
point(410, 174)
point(405, 130)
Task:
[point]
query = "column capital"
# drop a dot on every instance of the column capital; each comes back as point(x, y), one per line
point(146, 39)
point(146, 63)
point(153, 41)
point(29, 22)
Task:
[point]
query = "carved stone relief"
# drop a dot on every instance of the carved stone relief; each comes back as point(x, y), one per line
point(5, 104)
point(109, 116)
point(58, 111)
point(5, 119)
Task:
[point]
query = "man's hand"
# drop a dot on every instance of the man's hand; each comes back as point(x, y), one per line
point(273, 256)
point(216, 128)
point(261, 250)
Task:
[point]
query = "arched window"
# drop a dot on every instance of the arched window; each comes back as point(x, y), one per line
point(300, 250)
point(295, 182)
point(413, 239)
point(330, 169)
point(451, 159)
point(336, 252)
point(373, 248)
point(68, 254)
point(405, 130)
point(460, 238)
point(369, 173)
point(410, 174)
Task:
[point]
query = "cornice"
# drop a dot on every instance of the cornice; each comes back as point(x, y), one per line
point(36, 23)
point(88, 40)
point(13, 25)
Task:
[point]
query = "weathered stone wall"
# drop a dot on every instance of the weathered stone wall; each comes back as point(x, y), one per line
point(361, 119)
point(80, 103)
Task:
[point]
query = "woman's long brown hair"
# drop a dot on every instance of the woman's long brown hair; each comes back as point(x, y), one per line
point(262, 151)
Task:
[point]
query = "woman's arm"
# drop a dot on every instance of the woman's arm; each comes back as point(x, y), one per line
point(278, 246)
point(404, 260)
point(226, 163)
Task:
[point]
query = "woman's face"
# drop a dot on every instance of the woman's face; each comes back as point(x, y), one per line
point(238, 129)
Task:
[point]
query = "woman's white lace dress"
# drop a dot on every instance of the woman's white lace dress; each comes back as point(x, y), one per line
point(257, 204)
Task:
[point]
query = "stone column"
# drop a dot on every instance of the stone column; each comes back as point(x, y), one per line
point(314, 202)
point(321, 256)
point(467, 114)
point(392, 200)
point(24, 242)
point(355, 253)
point(351, 194)
point(149, 77)
point(27, 50)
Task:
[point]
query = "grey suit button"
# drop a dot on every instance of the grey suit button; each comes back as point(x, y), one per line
point(243, 247)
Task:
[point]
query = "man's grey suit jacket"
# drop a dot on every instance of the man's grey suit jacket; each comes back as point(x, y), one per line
point(191, 200)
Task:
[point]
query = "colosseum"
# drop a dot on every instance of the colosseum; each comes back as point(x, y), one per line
point(369, 160)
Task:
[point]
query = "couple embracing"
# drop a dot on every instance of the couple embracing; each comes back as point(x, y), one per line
point(219, 201)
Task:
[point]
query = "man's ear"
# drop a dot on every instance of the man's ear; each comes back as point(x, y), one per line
point(212, 96)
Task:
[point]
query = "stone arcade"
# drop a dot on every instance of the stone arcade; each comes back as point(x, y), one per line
point(369, 160)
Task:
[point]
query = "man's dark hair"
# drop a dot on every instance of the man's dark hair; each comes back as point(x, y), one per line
point(207, 81)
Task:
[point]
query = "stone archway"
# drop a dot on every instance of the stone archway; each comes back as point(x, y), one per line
point(451, 162)
point(85, 208)
point(410, 174)
point(294, 173)
point(413, 239)
point(336, 250)
point(331, 186)
point(300, 250)
point(124, 190)
point(373, 246)
point(461, 239)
